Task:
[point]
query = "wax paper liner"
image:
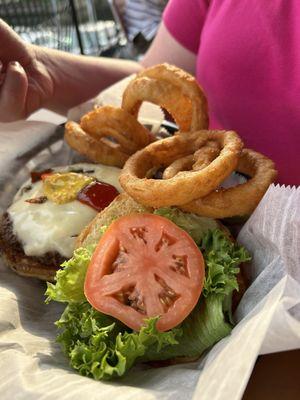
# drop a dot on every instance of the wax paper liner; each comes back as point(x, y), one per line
point(269, 314)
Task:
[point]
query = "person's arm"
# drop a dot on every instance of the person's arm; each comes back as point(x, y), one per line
point(165, 48)
point(78, 78)
point(32, 77)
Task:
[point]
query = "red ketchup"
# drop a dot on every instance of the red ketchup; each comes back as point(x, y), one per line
point(97, 195)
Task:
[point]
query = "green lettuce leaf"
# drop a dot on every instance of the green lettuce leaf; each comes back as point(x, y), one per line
point(70, 278)
point(204, 327)
point(101, 347)
point(222, 258)
point(194, 225)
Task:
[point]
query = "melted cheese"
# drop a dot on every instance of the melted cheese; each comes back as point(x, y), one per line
point(50, 227)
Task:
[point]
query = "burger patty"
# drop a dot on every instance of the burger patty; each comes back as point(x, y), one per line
point(42, 267)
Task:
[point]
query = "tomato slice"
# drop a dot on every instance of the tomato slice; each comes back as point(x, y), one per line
point(145, 266)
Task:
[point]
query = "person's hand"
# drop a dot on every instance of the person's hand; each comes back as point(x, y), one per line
point(25, 82)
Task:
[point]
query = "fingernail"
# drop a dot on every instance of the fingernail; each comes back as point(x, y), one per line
point(15, 64)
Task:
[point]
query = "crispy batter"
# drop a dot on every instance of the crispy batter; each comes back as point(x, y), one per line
point(107, 135)
point(197, 161)
point(100, 151)
point(241, 199)
point(182, 164)
point(173, 89)
point(186, 184)
point(206, 154)
point(116, 123)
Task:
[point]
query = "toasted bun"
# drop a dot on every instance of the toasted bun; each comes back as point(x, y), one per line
point(120, 206)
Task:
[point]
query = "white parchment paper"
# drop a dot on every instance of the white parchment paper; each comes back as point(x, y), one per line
point(17, 138)
point(269, 314)
point(268, 319)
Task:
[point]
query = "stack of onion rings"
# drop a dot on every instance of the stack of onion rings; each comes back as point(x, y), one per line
point(192, 164)
point(191, 175)
point(173, 89)
point(107, 135)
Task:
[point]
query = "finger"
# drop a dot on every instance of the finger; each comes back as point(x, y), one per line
point(13, 93)
point(12, 46)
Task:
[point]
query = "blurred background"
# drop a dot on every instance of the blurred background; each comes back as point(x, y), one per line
point(115, 28)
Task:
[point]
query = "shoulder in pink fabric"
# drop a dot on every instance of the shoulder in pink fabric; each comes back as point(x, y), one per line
point(248, 62)
point(184, 19)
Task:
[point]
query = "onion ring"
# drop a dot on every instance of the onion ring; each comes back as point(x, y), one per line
point(197, 161)
point(173, 89)
point(113, 122)
point(183, 163)
point(186, 184)
point(241, 199)
point(107, 135)
point(206, 154)
point(98, 151)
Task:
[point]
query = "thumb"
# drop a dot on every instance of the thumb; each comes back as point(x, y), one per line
point(13, 93)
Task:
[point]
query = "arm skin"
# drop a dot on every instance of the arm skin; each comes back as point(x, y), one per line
point(165, 48)
point(32, 77)
point(78, 78)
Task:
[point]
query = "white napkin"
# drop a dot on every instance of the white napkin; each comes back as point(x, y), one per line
point(269, 313)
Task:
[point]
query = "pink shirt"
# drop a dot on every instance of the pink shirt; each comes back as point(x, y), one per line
point(248, 63)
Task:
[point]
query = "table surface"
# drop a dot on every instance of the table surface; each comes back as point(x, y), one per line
point(275, 377)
